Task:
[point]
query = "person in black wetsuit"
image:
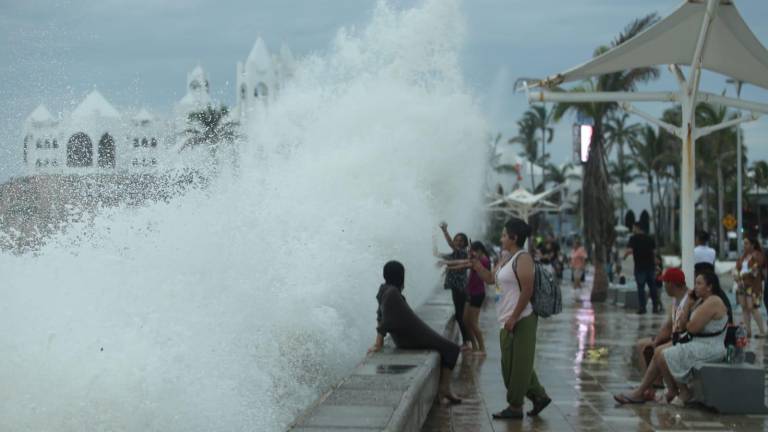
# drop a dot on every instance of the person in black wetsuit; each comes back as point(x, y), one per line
point(408, 331)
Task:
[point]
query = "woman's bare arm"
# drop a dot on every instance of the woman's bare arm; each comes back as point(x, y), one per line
point(712, 308)
point(525, 273)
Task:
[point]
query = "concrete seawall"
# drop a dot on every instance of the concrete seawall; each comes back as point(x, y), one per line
point(392, 390)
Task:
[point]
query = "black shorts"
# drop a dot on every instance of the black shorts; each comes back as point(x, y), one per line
point(476, 300)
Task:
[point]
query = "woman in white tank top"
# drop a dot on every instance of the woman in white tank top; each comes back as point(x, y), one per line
point(514, 279)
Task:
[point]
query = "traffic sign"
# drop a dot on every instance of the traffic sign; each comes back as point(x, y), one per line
point(729, 222)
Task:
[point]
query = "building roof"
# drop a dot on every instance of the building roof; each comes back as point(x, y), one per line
point(40, 115)
point(94, 105)
point(143, 116)
point(259, 56)
point(731, 49)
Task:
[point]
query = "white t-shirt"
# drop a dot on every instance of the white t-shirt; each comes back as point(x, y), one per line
point(509, 292)
point(703, 253)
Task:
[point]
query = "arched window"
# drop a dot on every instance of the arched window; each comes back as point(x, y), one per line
point(135, 142)
point(79, 151)
point(153, 142)
point(107, 152)
point(144, 142)
point(261, 90)
point(55, 143)
point(27, 139)
point(38, 143)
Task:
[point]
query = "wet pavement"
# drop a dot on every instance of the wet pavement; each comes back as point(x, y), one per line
point(579, 379)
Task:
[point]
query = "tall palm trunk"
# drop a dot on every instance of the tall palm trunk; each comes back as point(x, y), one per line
point(533, 184)
point(759, 214)
point(720, 209)
point(672, 199)
point(621, 181)
point(705, 203)
point(653, 201)
point(598, 209)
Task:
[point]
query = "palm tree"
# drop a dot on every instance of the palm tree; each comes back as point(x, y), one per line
point(760, 178)
point(619, 133)
point(559, 176)
point(526, 137)
point(650, 156)
point(211, 127)
point(721, 144)
point(598, 207)
point(540, 118)
point(623, 174)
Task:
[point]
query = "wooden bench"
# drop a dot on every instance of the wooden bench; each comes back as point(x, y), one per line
point(731, 388)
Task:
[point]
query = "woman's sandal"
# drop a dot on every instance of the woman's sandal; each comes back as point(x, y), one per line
point(539, 405)
point(623, 399)
point(669, 397)
point(508, 414)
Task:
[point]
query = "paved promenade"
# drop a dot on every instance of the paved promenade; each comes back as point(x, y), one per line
point(580, 384)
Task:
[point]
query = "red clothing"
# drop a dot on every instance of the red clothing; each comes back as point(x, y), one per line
point(475, 285)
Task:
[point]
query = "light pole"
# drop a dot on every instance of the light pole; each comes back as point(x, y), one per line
point(739, 187)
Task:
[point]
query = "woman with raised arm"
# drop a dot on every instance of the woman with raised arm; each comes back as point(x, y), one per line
point(456, 279)
point(514, 277)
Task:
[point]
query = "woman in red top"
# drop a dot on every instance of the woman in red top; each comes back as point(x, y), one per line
point(476, 292)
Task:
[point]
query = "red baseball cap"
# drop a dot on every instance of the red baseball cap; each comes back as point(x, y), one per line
point(674, 275)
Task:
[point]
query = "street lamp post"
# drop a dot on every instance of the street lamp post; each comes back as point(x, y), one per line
point(739, 175)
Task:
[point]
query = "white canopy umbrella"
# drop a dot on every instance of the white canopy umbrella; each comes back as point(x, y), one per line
point(704, 34)
point(523, 204)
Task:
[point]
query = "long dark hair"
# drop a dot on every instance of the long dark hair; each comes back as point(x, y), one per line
point(755, 244)
point(518, 228)
point(478, 246)
point(711, 279)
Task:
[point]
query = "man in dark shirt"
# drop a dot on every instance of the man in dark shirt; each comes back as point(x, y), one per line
point(642, 247)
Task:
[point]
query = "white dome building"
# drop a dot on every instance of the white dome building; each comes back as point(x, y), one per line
point(96, 138)
point(93, 139)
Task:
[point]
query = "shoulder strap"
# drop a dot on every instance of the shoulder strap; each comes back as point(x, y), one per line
point(514, 268)
point(712, 334)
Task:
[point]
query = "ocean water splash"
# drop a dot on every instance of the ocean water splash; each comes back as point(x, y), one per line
point(233, 308)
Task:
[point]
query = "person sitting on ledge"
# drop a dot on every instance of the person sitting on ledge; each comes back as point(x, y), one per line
point(675, 287)
point(408, 331)
point(704, 342)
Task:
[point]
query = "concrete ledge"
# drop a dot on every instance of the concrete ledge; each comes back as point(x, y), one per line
point(392, 390)
point(731, 388)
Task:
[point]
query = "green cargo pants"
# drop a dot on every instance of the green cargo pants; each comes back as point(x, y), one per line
point(517, 353)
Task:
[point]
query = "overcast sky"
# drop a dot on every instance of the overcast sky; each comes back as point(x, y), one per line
point(138, 52)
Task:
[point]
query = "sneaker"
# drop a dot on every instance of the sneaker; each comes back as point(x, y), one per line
point(641, 311)
point(658, 309)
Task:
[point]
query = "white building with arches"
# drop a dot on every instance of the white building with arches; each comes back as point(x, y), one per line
point(97, 138)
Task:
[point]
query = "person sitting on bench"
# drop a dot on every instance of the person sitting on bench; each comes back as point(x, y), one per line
point(675, 287)
point(701, 343)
